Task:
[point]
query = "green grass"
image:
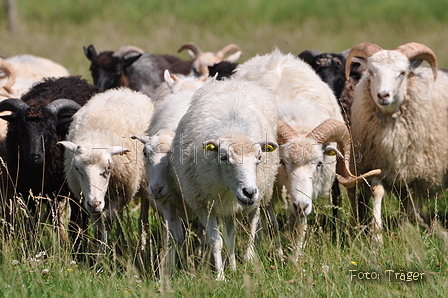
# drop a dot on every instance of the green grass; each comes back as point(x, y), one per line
point(59, 30)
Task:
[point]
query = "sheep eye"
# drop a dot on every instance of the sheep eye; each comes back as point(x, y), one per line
point(402, 74)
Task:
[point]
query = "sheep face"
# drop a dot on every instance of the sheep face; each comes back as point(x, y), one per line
point(388, 72)
point(158, 157)
point(107, 70)
point(306, 172)
point(92, 169)
point(236, 163)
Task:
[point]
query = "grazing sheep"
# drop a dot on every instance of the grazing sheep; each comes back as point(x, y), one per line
point(132, 67)
point(221, 159)
point(201, 60)
point(172, 101)
point(102, 165)
point(311, 123)
point(39, 119)
point(400, 121)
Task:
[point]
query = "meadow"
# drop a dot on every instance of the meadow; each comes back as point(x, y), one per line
point(412, 262)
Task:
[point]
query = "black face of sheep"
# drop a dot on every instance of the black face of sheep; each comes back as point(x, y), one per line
point(37, 122)
point(224, 69)
point(329, 66)
point(108, 70)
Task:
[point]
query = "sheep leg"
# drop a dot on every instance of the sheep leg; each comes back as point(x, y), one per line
point(272, 222)
point(230, 229)
point(377, 223)
point(254, 218)
point(211, 223)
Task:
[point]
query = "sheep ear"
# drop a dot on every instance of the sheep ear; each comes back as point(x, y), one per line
point(69, 146)
point(234, 57)
point(114, 150)
point(267, 146)
point(359, 60)
point(143, 139)
point(168, 79)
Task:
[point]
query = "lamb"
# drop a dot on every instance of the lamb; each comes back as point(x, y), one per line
point(172, 102)
point(39, 119)
point(400, 121)
point(101, 158)
point(132, 67)
point(311, 123)
point(224, 157)
point(201, 60)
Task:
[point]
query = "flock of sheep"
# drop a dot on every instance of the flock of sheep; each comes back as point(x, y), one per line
point(215, 140)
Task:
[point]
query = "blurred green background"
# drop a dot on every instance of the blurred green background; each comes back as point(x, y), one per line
point(59, 29)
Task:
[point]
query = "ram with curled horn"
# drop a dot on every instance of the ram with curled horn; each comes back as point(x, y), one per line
point(37, 121)
point(400, 119)
point(202, 60)
point(309, 130)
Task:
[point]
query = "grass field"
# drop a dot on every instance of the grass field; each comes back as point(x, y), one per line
point(36, 266)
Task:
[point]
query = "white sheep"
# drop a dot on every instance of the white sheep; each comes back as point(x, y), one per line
point(202, 60)
point(172, 102)
point(222, 159)
point(400, 121)
point(311, 125)
point(103, 165)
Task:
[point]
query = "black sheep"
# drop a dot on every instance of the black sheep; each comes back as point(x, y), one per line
point(131, 67)
point(224, 69)
point(39, 119)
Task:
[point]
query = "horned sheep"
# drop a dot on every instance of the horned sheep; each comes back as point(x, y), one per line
point(202, 60)
point(38, 120)
point(400, 121)
point(101, 158)
point(132, 67)
point(311, 125)
point(223, 156)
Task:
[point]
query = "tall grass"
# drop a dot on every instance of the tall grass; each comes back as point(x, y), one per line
point(59, 30)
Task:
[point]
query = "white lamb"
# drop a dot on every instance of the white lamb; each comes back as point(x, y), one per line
point(400, 120)
point(222, 161)
point(104, 167)
point(311, 125)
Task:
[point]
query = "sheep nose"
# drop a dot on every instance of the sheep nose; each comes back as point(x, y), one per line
point(35, 159)
point(300, 209)
point(383, 95)
point(249, 192)
point(156, 190)
point(94, 205)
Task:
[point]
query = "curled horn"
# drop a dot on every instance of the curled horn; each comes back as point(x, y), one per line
point(13, 104)
point(363, 50)
point(418, 51)
point(62, 104)
point(190, 46)
point(332, 130)
point(9, 73)
point(227, 49)
point(284, 132)
point(124, 50)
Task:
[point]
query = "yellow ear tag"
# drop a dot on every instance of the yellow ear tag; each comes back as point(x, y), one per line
point(332, 153)
point(210, 147)
point(269, 148)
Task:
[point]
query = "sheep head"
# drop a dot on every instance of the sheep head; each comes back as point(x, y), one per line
point(235, 159)
point(92, 169)
point(307, 162)
point(201, 60)
point(37, 125)
point(158, 156)
point(108, 68)
point(389, 70)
